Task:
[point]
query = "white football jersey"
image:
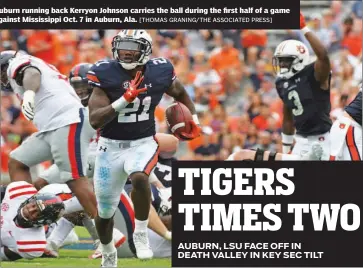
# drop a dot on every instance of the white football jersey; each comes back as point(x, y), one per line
point(27, 242)
point(56, 103)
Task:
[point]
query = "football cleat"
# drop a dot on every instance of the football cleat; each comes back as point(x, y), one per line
point(109, 260)
point(143, 250)
point(118, 239)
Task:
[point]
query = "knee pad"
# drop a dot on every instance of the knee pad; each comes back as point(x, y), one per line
point(106, 210)
point(107, 204)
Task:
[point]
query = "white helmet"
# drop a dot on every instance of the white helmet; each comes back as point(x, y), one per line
point(290, 57)
point(138, 44)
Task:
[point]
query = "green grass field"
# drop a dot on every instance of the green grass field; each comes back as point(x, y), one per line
point(79, 258)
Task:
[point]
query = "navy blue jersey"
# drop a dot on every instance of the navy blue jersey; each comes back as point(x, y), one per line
point(309, 103)
point(136, 121)
point(354, 109)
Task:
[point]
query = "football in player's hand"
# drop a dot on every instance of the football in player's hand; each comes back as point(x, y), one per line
point(178, 119)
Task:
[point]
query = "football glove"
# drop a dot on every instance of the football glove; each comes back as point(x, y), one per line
point(132, 92)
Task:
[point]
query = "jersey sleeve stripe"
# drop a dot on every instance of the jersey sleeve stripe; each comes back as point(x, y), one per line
point(23, 193)
point(31, 249)
point(93, 78)
point(19, 67)
point(21, 187)
point(29, 242)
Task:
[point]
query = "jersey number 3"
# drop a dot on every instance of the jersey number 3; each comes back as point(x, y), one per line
point(293, 95)
point(132, 112)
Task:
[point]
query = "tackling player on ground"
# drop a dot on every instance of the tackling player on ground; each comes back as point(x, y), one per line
point(304, 88)
point(127, 147)
point(24, 213)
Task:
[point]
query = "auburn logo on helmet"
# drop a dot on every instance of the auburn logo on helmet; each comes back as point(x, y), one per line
point(301, 49)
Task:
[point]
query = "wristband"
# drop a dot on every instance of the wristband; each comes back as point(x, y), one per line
point(287, 139)
point(119, 104)
point(167, 235)
point(305, 30)
point(195, 119)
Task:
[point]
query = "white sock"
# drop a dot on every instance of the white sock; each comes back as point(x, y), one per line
point(72, 205)
point(89, 224)
point(109, 248)
point(290, 157)
point(141, 226)
point(61, 231)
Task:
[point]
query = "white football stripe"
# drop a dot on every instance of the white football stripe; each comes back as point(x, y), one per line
point(171, 105)
point(175, 127)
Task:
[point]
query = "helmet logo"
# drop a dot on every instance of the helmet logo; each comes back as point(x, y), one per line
point(301, 49)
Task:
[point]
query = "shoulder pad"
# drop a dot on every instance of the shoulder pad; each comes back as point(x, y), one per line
point(17, 64)
point(164, 69)
point(98, 73)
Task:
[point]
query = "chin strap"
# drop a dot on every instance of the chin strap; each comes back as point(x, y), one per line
point(22, 221)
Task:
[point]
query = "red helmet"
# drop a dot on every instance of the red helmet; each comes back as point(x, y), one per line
point(79, 81)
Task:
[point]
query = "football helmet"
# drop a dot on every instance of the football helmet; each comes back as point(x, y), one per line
point(132, 48)
point(50, 208)
point(78, 80)
point(290, 57)
point(5, 57)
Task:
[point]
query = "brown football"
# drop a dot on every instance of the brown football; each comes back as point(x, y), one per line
point(178, 117)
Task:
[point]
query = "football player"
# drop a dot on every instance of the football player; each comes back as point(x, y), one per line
point(78, 80)
point(346, 133)
point(168, 146)
point(304, 88)
point(51, 103)
point(127, 145)
point(24, 213)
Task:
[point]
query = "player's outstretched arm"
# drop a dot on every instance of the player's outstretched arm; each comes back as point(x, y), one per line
point(322, 64)
point(31, 78)
point(288, 130)
point(7, 255)
point(100, 109)
point(178, 92)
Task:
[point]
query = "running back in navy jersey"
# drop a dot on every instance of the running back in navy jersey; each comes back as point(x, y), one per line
point(309, 103)
point(137, 121)
point(354, 109)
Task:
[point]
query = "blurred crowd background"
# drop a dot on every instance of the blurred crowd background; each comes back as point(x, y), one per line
point(228, 73)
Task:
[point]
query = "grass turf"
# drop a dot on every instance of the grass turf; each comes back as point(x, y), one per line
point(79, 258)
